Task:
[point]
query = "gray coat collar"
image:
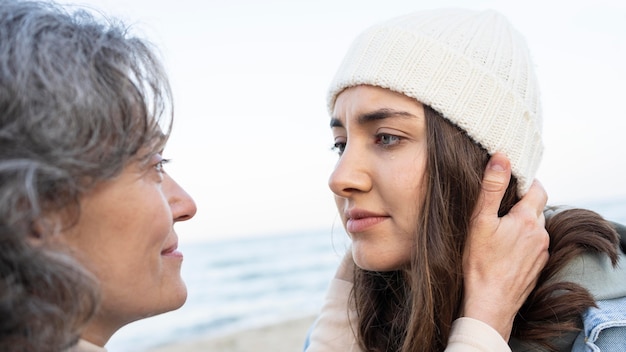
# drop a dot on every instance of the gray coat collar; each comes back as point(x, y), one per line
point(594, 271)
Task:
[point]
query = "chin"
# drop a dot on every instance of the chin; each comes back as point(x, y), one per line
point(374, 261)
point(377, 267)
point(175, 298)
point(180, 297)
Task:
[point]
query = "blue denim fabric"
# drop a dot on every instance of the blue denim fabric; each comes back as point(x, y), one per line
point(604, 328)
point(307, 339)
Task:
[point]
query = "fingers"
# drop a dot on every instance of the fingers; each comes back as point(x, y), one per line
point(495, 181)
point(536, 199)
point(503, 256)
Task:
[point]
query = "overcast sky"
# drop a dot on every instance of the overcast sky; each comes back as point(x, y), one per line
point(251, 141)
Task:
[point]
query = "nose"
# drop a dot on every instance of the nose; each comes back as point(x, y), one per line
point(181, 204)
point(351, 174)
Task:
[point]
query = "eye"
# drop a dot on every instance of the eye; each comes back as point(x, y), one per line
point(160, 165)
point(338, 147)
point(387, 140)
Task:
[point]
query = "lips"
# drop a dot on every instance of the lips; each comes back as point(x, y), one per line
point(361, 220)
point(172, 251)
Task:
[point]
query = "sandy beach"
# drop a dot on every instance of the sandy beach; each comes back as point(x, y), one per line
point(286, 336)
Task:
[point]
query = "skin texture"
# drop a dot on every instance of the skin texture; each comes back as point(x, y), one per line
point(380, 136)
point(125, 236)
point(380, 171)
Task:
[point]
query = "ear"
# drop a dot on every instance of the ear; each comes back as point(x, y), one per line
point(38, 232)
point(45, 230)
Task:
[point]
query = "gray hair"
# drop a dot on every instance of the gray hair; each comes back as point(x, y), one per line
point(80, 98)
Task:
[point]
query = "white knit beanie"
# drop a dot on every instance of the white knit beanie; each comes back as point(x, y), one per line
point(472, 67)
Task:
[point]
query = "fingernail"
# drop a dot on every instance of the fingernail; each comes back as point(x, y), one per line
point(496, 165)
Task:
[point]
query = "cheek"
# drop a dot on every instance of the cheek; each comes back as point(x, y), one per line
point(409, 181)
point(154, 229)
point(408, 192)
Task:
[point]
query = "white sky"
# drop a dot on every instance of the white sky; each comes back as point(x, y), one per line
point(251, 141)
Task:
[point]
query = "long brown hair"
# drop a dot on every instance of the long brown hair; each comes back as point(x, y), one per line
point(413, 309)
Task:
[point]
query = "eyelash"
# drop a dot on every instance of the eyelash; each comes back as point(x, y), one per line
point(380, 136)
point(160, 165)
point(339, 147)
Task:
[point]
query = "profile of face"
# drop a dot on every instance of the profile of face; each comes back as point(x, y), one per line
point(378, 181)
point(125, 236)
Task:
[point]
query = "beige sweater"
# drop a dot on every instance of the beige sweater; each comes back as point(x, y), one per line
point(332, 331)
point(85, 346)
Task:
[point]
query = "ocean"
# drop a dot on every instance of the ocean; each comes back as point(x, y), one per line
point(242, 283)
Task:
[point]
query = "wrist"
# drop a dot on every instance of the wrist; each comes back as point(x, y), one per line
point(490, 314)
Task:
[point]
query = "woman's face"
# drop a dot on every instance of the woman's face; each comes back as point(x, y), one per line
point(125, 236)
point(381, 139)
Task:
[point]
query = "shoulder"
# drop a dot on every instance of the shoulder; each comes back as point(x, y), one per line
point(595, 270)
point(596, 273)
point(594, 257)
point(599, 268)
point(603, 326)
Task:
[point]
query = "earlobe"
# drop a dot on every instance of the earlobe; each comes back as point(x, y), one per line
point(37, 234)
point(43, 230)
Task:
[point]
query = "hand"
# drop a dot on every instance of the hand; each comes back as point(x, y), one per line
point(503, 257)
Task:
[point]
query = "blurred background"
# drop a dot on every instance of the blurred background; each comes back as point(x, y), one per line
point(251, 140)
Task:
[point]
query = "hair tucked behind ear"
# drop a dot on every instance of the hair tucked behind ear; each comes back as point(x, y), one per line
point(412, 310)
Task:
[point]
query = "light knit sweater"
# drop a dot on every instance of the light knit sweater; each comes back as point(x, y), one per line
point(86, 346)
point(332, 332)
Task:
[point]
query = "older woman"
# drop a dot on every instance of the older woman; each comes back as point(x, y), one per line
point(87, 210)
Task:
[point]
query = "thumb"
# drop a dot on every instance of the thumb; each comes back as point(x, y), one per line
point(495, 181)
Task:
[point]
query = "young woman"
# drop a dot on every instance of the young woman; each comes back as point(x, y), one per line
point(87, 209)
point(418, 107)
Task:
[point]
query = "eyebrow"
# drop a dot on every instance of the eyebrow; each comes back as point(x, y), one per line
point(375, 115)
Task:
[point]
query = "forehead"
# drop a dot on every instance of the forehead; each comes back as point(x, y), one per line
point(366, 103)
